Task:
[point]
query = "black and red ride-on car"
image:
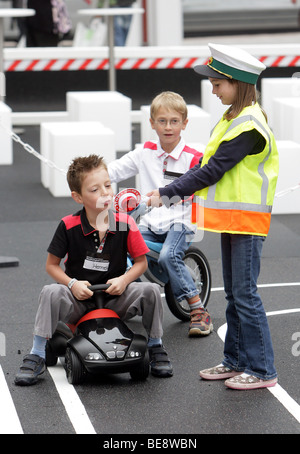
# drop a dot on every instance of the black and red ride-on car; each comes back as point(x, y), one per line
point(100, 343)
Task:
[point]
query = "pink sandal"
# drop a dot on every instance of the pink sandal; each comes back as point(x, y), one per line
point(219, 372)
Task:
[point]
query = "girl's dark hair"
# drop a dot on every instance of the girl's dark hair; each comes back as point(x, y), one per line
point(246, 96)
point(79, 167)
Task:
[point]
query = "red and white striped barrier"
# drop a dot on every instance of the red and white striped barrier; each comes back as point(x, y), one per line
point(131, 63)
point(129, 58)
point(96, 64)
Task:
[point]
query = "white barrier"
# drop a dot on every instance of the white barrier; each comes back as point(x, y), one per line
point(6, 153)
point(274, 88)
point(286, 119)
point(198, 127)
point(62, 142)
point(289, 175)
point(211, 103)
point(111, 108)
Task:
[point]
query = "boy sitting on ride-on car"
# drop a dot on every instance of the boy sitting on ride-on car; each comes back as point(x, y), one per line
point(91, 236)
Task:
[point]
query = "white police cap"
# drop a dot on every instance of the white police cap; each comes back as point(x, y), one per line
point(230, 62)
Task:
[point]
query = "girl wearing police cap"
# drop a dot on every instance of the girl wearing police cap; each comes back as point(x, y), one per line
point(234, 188)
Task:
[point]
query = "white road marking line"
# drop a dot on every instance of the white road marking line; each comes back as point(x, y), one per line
point(283, 311)
point(286, 400)
point(72, 403)
point(281, 395)
point(283, 284)
point(9, 420)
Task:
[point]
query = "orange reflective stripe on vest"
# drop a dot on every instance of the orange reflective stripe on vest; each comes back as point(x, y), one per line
point(231, 221)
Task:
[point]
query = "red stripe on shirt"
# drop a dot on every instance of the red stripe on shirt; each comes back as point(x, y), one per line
point(150, 145)
point(71, 221)
point(197, 155)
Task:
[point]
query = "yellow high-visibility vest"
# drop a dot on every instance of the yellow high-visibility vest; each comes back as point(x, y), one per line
point(241, 201)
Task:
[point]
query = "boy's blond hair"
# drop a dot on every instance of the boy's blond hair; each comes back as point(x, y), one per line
point(170, 101)
point(80, 167)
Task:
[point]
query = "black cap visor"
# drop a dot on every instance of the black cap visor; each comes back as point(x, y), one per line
point(205, 70)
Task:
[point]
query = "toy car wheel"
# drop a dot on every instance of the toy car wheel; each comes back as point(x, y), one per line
point(51, 358)
point(141, 371)
point(74, 368)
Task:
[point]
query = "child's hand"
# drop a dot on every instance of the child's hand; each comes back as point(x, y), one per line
point(80, 290)
point(154, 198)
point(118, 285)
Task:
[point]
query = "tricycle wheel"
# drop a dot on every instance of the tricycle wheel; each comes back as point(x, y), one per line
point(199, 268)
point(141, 371)
point(74, 369)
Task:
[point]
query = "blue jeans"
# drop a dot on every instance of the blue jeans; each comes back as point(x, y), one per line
point(248, 345)
point(122, 25)
point(175, 243)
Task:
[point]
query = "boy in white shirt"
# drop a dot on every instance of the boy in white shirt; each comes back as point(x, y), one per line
point(158, 163)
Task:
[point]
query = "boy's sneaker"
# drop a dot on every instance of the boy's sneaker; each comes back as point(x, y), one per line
point(160, 365)
point(32, 367)
point(200, 324)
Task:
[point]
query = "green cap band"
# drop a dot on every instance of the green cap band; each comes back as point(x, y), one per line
point(233, 73)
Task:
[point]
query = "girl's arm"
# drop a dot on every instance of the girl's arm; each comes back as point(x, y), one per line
point(226, 157)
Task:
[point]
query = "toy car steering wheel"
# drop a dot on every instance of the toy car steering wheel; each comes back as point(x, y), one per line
point(99, 295)
point(97, 287)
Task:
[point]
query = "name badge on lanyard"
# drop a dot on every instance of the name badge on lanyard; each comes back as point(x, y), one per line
point(96, 262)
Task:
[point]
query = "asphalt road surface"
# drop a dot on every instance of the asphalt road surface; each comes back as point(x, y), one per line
point(182, 406)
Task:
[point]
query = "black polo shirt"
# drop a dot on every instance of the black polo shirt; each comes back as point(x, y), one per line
point(79, 242)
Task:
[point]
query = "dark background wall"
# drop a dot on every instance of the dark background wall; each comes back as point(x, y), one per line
point(46, 91)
